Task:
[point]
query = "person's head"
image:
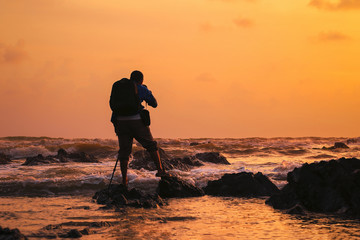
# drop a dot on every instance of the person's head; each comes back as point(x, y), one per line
point(137, 76)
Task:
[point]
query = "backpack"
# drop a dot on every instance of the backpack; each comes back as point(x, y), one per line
point(124, 99)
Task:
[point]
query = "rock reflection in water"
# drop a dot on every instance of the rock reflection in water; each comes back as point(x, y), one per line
point(188, 218)
point(229, 218)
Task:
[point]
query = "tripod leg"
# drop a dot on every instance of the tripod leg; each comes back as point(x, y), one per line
point(113, 174)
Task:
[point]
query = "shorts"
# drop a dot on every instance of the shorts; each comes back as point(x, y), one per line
point(127, 130)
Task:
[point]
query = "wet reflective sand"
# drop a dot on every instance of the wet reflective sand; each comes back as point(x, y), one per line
point(192, 218)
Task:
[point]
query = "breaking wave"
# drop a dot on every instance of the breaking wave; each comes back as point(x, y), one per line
point(274, 157)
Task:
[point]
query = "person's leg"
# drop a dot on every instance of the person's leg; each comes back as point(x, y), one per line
point(125, 147)
point(155, 156)
point(125, 144)
point(143, 135)
point(124, 166)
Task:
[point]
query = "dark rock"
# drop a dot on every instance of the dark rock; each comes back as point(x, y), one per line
point(213, 157)
point(184, 163)
point(73, 233)
point(194, 143)
point(171, 187)
point(101, 198)
point(11, 234)
point(39, 160)
point(61, 230)
point(327, 187)
point(62, 153)
point(118, 196)
point(85, 231)
point(285, 199)
point(142, 159)
point(43, 235)
point(4, 159)
point(244, 184)
point(120, 199)
point(337, 145)
point(340, 145)
point(62, 156)
point(297, 209)
point(88, 224)
point(190, 161)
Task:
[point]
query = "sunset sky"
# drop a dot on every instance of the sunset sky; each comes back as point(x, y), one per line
point(218, 68)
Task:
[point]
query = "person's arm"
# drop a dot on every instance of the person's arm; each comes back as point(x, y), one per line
point(146, 95)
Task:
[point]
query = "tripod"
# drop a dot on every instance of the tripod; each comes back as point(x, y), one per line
point(112, 175)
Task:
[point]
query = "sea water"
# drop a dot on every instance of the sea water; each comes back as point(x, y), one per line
point(33, 197)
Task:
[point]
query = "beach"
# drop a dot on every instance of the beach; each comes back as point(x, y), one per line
point(34, 197)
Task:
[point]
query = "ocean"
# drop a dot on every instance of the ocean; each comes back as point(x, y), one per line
point(34, 197)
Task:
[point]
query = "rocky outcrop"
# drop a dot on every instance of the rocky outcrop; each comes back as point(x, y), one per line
point(142, 159)
point(40, 160)
point(169, 187)
point(244, 184)
point(71, 229)
point(73, 233)
point(212, 157)
point(337, 145)
point(61, 157)
point(327, 187)
point(118, 196)
point(13, 234)
point(297, 209)
point(174, 187)
point(186, 162)
point(4, 159)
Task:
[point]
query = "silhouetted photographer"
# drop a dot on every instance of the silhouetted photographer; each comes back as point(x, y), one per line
point(131, 120)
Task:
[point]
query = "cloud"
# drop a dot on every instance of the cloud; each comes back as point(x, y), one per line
point(243, 22)
point(13, 54)
point(335, 5)
point(332, 36)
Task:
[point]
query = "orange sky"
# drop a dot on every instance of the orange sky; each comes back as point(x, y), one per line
point(218, 68)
